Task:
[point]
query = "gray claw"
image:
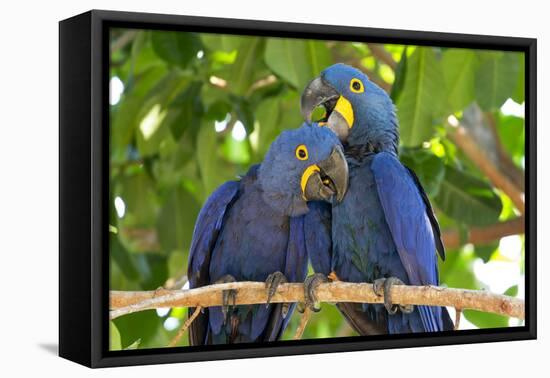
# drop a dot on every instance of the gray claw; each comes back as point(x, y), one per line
point(271, 284)
point(310, 286)
point(386, 284)
point(228, 296)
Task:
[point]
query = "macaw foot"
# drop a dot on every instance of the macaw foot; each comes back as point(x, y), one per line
point(310, 287)
point(271, 284)
point(227, 295)
point(386, 284)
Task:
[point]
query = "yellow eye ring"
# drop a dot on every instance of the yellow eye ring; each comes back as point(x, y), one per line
point(301, 152)
point(356, 86)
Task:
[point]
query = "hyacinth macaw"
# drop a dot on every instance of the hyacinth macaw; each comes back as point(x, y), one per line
point(253, 230)
point(384, 231)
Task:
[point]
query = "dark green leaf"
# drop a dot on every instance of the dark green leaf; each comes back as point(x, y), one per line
point(400, 74)
point(486, 251)
point(176, 47)
point(429, 168)
point(123, 258)
point(467, 199)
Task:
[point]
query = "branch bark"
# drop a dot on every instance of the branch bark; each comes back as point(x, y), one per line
point(462, 138)
point(127, 302)
point(381, 54)
point(484, 235)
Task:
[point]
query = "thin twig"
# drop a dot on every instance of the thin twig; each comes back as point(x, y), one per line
point(123, 40)
point(127, 302)
point(303, 323)
point(458, 315)
point(184, 327)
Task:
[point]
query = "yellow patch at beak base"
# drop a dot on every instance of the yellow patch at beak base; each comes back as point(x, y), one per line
point(343, 106)
point(306, 175)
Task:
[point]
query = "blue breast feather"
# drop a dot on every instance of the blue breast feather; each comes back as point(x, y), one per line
point(238, 234)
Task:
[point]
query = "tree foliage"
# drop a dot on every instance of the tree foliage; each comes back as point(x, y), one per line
point(190, 111)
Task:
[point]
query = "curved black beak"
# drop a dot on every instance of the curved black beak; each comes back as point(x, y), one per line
point(338, 110)
point(318, 92)
point(327, 179)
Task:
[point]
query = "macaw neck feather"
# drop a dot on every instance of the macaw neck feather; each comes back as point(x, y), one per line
point(280, 199)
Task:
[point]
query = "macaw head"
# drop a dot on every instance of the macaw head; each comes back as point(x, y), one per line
point(304, 164)
point(356, 109)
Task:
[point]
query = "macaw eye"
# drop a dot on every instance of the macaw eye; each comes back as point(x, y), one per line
point(356, 86)
point(301, 152)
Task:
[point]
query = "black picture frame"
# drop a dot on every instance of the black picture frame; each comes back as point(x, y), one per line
point(84, 187)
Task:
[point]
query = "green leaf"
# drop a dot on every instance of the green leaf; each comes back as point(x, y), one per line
point(296, 61)
point(139, 196)
point(421, 98)
point(122, 258)
point(429, 168)
point(213, 170)
point(134, 345)
point(512, 291)
point(400, 74)
point(268, 115)
point(114, 337)
point(176, 220)
point(486, 251)
point(187, 110)
point(177, 48)
point(496, 79)
point(511, 130)
point(458, 70)
point(519, 94)
point(242, 72)
point(221, 42)
point(485, 319)
point(467, 199)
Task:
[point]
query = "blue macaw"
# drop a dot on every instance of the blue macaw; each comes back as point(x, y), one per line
point(253, 230)
point(384, 231)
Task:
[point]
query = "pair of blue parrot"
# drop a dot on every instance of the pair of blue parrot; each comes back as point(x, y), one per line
point(333, 192)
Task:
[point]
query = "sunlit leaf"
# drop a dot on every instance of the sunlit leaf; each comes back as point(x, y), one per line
point(458, 70)
point(496, 79)
point(421, 97)
point(114, 337)
point(296, 61)
point(485, 319)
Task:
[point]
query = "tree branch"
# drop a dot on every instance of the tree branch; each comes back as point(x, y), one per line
point(484, 235)
point(462, 138)
point(127, 302)
point(381, 54)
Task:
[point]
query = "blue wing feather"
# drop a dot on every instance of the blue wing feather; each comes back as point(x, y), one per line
point(207, 228)
point(410, 226)
point(318, 234)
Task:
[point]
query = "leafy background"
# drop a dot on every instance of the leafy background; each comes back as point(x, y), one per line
point(191, 111)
